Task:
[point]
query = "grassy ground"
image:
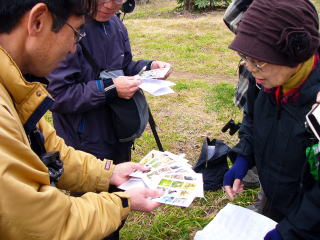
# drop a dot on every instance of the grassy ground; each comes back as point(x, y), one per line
point(317, 4)
point(205, 73)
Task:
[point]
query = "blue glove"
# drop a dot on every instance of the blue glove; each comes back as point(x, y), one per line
point(238, 170)
point(273, 235)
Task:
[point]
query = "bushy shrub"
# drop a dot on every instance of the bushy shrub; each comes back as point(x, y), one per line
point(191, 5)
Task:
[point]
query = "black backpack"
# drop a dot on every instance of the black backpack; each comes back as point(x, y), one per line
point(129, 116)
point(212, 167)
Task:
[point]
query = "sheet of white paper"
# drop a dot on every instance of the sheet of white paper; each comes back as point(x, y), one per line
point(236, 223)
point(199, 191)
point(211, 151)
point(157, 87)
point(162, 91)
point(132, 183)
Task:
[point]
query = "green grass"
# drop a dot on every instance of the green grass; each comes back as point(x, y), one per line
point(317, 5)
point(163, 9)
point(192, 44)
point(220, 100)
point(186, 84)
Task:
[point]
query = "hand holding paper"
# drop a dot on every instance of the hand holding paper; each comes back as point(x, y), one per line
point(170, 173)
point(152, 84)
point(140, 199)
point(160, 64)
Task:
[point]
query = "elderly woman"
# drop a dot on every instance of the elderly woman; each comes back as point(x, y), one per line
point(278, 41)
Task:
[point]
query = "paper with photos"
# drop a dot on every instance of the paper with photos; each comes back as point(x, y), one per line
point(159, 163)
point(158, 73)
point(170, 173)
point(176, 192)
point(151, 83)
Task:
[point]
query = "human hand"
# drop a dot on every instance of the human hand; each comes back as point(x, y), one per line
point(159, 64)
point(126, 86)
point(122, 171)
point(234, 176)
point(140, 199)
point(273, 235)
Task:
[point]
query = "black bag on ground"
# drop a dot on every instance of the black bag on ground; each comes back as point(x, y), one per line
point(212, 163)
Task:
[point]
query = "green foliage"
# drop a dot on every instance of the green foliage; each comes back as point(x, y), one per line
point(203, 4)
point(200, 4)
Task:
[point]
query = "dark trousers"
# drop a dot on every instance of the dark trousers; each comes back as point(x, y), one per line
point(121, 153)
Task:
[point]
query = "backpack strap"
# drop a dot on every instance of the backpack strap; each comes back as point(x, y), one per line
point(153, 126)
point(50, 159)
point(90, 59)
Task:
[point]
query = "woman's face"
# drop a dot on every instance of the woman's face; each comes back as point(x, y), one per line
point(269, 75)
point(107, 9)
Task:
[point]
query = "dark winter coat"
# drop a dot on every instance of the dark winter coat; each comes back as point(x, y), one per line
point(274, 138)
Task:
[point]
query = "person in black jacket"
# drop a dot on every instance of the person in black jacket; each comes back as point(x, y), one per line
point(81, 113)
point(279, 42)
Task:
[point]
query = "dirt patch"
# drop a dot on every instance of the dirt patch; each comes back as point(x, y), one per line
point(178, 74)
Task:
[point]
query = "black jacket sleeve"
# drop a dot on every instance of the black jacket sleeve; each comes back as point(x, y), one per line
point(304, 223)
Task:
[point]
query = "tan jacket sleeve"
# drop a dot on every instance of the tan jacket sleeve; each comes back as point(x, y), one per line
point(32, 209)
point(83, 172)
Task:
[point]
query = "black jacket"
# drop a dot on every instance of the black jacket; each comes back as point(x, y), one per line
point(274, 138)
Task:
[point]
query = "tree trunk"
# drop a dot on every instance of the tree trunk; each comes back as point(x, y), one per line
point(188, 5)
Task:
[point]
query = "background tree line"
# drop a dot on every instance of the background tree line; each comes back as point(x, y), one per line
point(196, 5)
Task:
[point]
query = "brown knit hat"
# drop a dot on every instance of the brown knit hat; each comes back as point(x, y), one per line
point(281, 32)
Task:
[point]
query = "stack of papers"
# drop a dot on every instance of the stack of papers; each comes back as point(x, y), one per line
point(236, 223)
point(152, 84)
point(170, 173)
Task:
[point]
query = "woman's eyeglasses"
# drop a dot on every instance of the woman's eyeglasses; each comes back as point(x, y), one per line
point(246, 59)
point(77, 35)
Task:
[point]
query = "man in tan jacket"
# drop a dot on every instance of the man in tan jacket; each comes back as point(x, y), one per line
point(34, 36)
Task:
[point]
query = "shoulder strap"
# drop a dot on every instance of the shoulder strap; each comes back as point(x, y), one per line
point(154, 131)
point(50, 159)
point(90, 59)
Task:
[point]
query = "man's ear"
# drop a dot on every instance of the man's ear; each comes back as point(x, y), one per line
point(37, 19)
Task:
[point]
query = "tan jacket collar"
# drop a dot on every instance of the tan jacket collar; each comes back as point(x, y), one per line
point(30, 98)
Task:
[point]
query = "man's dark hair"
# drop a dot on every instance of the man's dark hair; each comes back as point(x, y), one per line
point(11, 11)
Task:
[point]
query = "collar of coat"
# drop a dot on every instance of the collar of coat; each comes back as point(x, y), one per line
point(305, 92)
point(31, 99)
